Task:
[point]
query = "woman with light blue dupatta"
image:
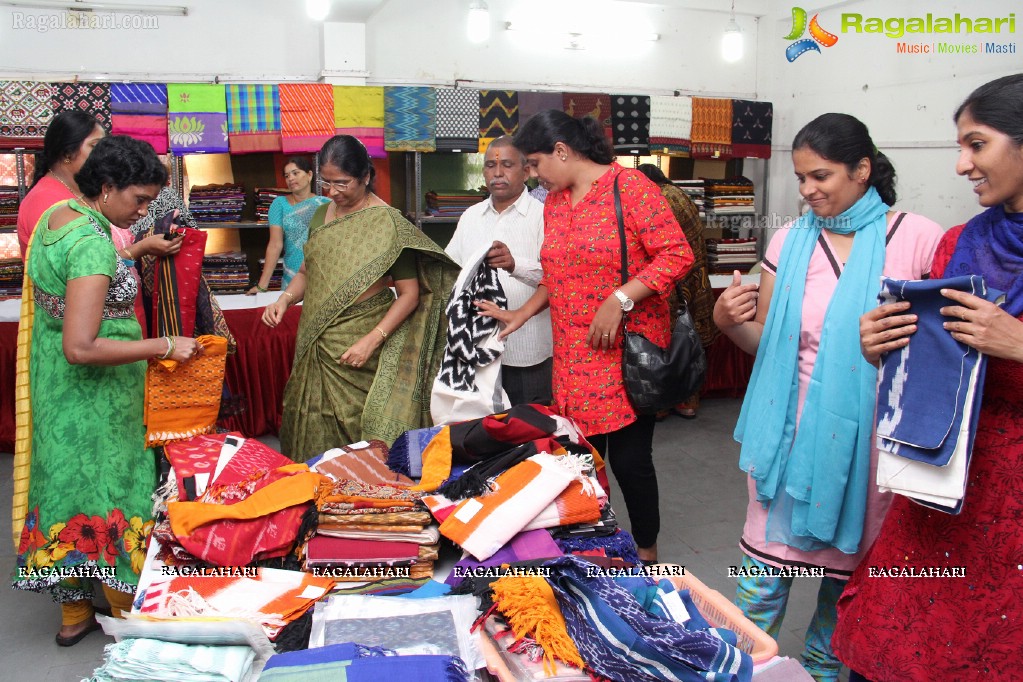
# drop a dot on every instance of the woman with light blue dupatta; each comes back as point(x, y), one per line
point(806, 424)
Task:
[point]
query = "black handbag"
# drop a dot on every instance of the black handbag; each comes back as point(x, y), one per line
point(656, 378)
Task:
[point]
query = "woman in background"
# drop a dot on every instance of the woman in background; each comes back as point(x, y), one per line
point(694, 289)
point(806, 424)
point(92, 477)
point(583, 285)
point(364, 358)
point(967, 628)
point(289, 223)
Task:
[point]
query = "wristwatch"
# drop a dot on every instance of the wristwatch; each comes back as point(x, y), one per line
point(627, 303)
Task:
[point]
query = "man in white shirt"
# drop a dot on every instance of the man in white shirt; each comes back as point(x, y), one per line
point(511, 221)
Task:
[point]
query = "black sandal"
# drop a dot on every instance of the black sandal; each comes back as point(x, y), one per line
point(75, 639)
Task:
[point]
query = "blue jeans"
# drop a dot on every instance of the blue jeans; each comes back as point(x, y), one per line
point(763, 599)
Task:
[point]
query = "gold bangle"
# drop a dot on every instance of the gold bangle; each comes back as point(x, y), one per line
point(288, 294)
point(127, 253)
point(382, 333)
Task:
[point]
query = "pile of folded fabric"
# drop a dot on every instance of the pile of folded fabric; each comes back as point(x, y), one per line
point(360, 663)
point(12, 273)
point(451, 203)
point(154, 659)
point(276, 276)
point(8, 206)
point(226, 273)
point(694, 189)
point(372, 527)
point(217, 203)
point(264, 197)
point(726, 255)
point(733, 196)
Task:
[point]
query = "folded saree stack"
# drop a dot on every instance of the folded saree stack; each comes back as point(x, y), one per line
point(154, 659)
point(371, 526)
point(226, 273)
point(360, 663)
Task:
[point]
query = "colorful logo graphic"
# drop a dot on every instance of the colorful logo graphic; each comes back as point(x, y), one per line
point(817, 35)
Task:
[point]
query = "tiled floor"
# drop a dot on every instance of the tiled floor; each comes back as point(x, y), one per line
point(703, 500)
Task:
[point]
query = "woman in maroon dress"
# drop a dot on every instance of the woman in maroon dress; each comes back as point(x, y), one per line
point(959, 628)
point(581, 258)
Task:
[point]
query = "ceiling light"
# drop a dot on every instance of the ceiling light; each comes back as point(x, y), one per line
point(80, 6)
point(479, 21)
point(732, 41)
point(317, 9)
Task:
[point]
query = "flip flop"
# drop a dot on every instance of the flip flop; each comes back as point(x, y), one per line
point(71, 641)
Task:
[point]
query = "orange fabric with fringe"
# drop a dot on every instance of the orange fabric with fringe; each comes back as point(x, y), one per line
point(712, 127)
point(183, 399)
point(529, 605)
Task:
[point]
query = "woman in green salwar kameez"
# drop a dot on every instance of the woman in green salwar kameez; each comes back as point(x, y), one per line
point(91, 474)
point(364, 358)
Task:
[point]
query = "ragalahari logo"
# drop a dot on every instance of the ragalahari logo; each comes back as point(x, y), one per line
point(817, 35)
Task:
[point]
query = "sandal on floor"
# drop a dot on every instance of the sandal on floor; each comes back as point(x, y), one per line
point(686, 414)
point(75, 639)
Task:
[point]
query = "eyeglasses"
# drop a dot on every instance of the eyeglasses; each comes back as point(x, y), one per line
point(340, 185)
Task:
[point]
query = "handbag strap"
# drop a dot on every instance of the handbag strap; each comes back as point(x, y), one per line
point(621, 238)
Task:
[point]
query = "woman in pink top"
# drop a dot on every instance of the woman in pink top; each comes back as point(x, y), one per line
point(806, 423)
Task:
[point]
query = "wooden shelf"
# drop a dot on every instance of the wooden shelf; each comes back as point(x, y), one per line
point(245, 225)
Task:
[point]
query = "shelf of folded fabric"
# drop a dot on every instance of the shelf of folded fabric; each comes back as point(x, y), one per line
point(241, 224)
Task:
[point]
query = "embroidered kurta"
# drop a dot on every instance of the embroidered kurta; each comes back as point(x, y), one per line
point(581, 259)
point(949, 628)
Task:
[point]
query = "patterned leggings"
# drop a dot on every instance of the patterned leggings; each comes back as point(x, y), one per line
point(763, 599)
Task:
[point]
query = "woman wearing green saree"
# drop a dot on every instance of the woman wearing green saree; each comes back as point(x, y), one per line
point(364, 358)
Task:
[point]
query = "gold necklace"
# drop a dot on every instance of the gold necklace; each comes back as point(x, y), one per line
point(75, 194)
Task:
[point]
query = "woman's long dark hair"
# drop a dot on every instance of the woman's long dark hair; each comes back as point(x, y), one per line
point(997, 104)
point(349, 154)
point(64, 137)
point(585, 136)
point(845, 139)
point(655, 174)
point(121, 161)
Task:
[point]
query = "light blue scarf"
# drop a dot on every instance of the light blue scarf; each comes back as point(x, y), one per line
point(824, 467)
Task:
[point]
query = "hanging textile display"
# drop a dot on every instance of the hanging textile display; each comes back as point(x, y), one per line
point(92, 98)
point(253, 118)
point(630, 123)
point(595, 105)
point(359, 112)
point(307, 116)
point(26, 109)
point(671, 124)
point(139, 110)
point(531, 103)
point(751, 128)
point(499, 115)
point(458, 116)
point(197, 118)
point(712, 128)
point(410, 119)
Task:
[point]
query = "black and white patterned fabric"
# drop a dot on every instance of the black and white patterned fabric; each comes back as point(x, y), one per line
point(630, 123)
point(468, 330)
point(458, 119)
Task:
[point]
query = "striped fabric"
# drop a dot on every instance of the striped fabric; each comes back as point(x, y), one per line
point(307, 116)
point(410, 119)
point(580, 502)
point(458, 117)
point(359, 111)
point(197, 118)
point(366, 464)
point(620, 640)
point(253, 118)
point(26, 109)
point(92, 98)
point(712, 128)
point(138, 98)
point(499, 115)
point(671, 124)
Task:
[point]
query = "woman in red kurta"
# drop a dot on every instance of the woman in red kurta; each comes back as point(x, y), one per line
point(969, 627)
point(581, 258)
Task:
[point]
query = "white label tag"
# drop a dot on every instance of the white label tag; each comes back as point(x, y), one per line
point(361, 445)
point(468, 510)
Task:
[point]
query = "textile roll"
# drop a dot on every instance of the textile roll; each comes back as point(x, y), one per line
point(197, 120)
point(751, 128)
point(149, 128)
point(184, 401)
point(712, 128)
point(630, 123)
point(531, 103)
point(364, 464)
point(410, 119)
point(595, 105)
point(458, 117)
point(92, 98)
point(499, 115)
point(671, 124)
point(359, 111)
point(138, 98)
point(307, 116)
point(26, 109)
point(253, 118)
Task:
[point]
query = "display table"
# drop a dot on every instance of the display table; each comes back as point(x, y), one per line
point(255, 375)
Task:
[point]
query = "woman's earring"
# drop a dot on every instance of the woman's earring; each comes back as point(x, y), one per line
point(67, 159)
point(564, 158)
point(105, 198)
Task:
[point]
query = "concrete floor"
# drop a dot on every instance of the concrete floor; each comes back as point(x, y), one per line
point(703, 501)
